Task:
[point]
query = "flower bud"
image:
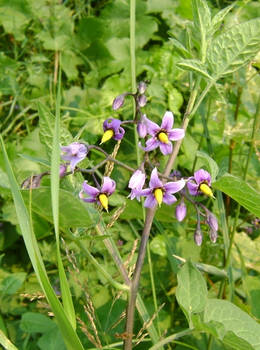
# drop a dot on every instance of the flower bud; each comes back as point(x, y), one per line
point(63, 169)
point(142, 87)
point(198, 237)
point(141, 100)
point(142, 127)
point(118, 102)
point(213, 235)
point(180, 211)
point(212, 221)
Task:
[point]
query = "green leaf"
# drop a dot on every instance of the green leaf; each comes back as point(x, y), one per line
point(158, 246)
point(234, 320)
point(12, 283)
point(234, 48)
point(240, 191)
point(191, 291)
point(219, 17)
point(51, 340)
point(212, 165)
point(195, 66)
point(32, 322)
point(201, 17)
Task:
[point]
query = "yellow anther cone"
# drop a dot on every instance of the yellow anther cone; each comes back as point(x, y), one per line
point(163, 137)
point(103, 200)
point(158, 194)
point(108, 134)
point(206, 190)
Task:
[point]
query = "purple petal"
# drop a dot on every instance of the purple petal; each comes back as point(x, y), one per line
point(151, 144)
point(108, 186)
point(90, 190)
point(155, 182)
point(193, 188)
point(137, 180)
point(89, 200)
point(73, 162)
point(150, 201)
point(201, 176)
point(142, 129)
point(173, 187)
point(166, 148)
point(169, 198)
point(152, 127)
point(167, 121)
point(176, 134)
point(146, 192)
point(111, 123)
point(119, 133)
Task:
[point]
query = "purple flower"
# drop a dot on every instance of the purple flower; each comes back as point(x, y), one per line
point(99, 196)
point(159, 192)
point(74, 153)
point(113, 129)
point(136, 184)
point(118, 102)
point(200, 183)
point(181, 211)
point(163, 135)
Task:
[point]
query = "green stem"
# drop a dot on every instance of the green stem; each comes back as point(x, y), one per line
point(171, 338)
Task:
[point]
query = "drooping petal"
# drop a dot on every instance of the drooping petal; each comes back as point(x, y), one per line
point(150, 201)
point(90, 190)
point(176, 134)
point(137, 180)
point(155, 182)
point(166, 148)
point(73, 162)
point(108, 186)
point(202, 175)
point(151, 144)
point(169, 198)
point(193, 188)
point(167, 121)
point(119, 134)
point(173, 187)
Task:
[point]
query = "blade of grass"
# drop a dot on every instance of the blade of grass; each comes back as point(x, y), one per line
point(55, 183)
point(5, 342)
point(69, 335)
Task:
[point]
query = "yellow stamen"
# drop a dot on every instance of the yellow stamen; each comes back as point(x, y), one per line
point(206, 190)
point(163, 137)
point(108, 134)
point(158, 194)
point(103, 200)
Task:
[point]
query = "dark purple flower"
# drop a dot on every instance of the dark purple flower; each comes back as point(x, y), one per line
point(142, 100)
point(74, 153)
point(162, 135)
point(200, 183)
point(142, 87)
point(113, 129)
point(136, 184)
point(159, 192)
point(99, 196)
point(142, 126)
point(118, 102)
point(181, 211)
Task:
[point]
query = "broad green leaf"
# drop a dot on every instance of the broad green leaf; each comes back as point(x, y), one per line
point(68, 205)
point(234, 320)
point(212, 165)
point(195, 66)
point(249, 249)
point(32, 322)
point(69, 335)
point(51, 340)
point(234, 48)
point(191, 291)
point(12, 283)
point(252, 286)
point(5, 342)
point(158, 246)
point(240, 191)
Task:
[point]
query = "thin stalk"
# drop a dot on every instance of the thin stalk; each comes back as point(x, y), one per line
point(171, 338)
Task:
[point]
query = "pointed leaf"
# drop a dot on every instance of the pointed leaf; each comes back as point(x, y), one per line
point(195, 66)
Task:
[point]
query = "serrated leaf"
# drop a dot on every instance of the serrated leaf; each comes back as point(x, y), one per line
point(237, 323)
point(240, 191)
point(234, 48)
point(191, 291)
point(213, 167)
point(195, 66)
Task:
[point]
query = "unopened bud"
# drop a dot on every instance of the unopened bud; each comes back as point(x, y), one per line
point(142, 87)
point(213, 235)
point(212, 221)
point(198, 237)
point(181, 211)
point(63, 169)
point(118, 102)
point(142, 100)
point(141, 129)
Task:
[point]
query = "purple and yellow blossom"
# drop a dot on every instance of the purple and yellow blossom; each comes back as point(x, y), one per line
point(74, 153)
point(113, 129)
point(162, 135)
point(99, 196)
point(180, 211)
point(200, 183)
point(159, 192)
point(136, 184)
